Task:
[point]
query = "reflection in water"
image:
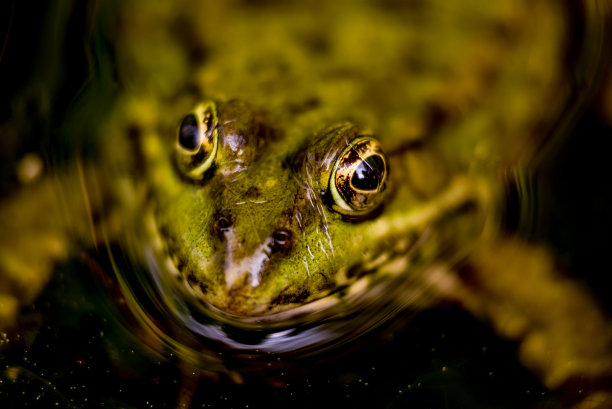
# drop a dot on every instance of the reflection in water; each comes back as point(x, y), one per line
point(110, 265)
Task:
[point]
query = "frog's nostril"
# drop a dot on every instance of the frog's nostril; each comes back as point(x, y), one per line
point(282, 240)
point(224, 223)
point(221, 225)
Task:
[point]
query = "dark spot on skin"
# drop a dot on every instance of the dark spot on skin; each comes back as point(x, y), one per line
point(182, 28)
point(203, 288)
point(191, 89)
point(311, 103)
point(304, 106)
point(489, 76)
point(163, 229)
point(314, 41)
point(342, 291)
point(287, 296)
point(355, 271)
point(180, 264)
point(318, 44)
point(197, 53)
point(505, 31)
point(191, 279)
point(413, 63)
point(263, 132)
point(438, 115)
point(252, 192)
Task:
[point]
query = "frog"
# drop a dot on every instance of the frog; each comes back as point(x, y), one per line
point(301, 178)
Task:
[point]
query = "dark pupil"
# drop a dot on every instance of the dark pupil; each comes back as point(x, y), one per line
point(188, 133)
point(368, 174)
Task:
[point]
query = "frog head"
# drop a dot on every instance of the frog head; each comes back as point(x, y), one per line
point(256, 220)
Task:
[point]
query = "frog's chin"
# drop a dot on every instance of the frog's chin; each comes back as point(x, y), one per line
point(243, 302)
point(279, 315)
point(241, 298)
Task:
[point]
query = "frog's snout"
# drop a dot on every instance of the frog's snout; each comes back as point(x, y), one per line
point(248, 269)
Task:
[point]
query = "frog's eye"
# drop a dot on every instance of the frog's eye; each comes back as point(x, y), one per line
point(198, 140)
point(358, 179)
